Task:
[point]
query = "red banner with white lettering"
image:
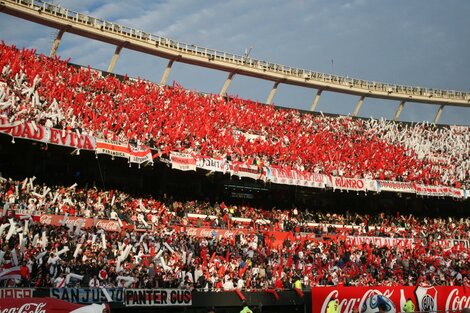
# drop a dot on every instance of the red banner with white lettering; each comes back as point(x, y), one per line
point(57, 220)
point(212, 232)
point(381, 241)
point(434, 298)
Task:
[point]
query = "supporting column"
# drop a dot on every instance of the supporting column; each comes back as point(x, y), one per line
point(438, 114)
point(400, 108)
point(115, 58)
point(167, 72)
point(227, 83)
point(315, 101)
point(56, 43)
point(272, 93)
point(358, 106)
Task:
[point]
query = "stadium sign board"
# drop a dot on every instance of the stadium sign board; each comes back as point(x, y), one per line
point(157, 297)
point(88, 295)
point(16, 293)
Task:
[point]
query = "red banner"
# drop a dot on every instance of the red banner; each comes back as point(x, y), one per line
point(57, 220)
point(381, 241)
point(241, 169)
point(439, 298)
point(212, 232)
point(182, 161)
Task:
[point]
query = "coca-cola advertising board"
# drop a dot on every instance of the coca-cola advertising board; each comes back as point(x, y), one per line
point(45, 305)
point(426, 299)
point(211, 232)
point(57, 220)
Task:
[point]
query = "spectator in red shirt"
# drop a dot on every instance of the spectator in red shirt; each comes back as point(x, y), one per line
point(25, 275)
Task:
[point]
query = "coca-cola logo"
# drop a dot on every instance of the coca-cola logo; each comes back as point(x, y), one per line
point(75, 222)
point(46, 219)
point(205, 233)
point(427, 303)
point(347, 305)
point(26, 308)
point(208, 232)
point(455, 302)
point(191, 231)
point(108, 225)
point(228, 234)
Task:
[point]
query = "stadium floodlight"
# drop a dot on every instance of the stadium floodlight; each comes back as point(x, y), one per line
point(246, 55)
point(247, 52)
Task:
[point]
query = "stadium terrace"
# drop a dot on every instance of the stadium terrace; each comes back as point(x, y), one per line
point(50, 93)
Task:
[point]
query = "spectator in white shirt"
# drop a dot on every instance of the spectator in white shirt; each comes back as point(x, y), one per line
point(94, 282)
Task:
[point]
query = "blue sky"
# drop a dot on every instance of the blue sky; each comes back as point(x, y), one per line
point(421, 43)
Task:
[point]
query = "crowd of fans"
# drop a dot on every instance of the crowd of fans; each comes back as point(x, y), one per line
point(164, 257)
point(50, 92)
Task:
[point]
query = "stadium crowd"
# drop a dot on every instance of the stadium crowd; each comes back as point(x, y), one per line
point(53, 93)
point(68, 255)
